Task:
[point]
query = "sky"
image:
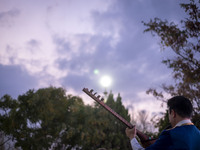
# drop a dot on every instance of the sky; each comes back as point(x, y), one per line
point(74, 43)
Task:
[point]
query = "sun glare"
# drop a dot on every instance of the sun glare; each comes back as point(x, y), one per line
point(105, 81)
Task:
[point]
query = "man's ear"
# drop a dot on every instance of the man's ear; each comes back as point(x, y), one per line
point(173, 113)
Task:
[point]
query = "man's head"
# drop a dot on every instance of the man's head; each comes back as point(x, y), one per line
point(179, 108)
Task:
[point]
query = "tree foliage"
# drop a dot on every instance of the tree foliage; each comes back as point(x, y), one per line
point(48, 118)
point(183, 39)
point(117, 139)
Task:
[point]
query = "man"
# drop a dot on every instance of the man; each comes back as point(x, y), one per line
point(182, 136)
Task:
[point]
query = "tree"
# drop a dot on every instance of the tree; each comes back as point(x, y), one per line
point(48, 118)
point(111, 130)
point(143, 123)
point(38, 120)
point(184, 41)
point(99, 128)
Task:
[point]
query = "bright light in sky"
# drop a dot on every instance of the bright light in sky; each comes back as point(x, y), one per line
point(96, 71)
point(105, 81)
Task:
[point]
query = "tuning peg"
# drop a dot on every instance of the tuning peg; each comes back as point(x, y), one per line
point(98, 96)
point(102, 99)
point(95, 93)
point(91, 90)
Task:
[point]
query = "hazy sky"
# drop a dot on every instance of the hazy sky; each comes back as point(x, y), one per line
point(62, 43)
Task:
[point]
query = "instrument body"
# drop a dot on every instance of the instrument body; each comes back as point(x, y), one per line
point(145, 140)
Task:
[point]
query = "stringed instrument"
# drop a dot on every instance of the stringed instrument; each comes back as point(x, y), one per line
point(145, 140)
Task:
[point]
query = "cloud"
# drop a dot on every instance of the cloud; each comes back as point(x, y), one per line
point(33, 43)
point(14, 81)
point(61, 43)
point(7, 17)
point(45, 52)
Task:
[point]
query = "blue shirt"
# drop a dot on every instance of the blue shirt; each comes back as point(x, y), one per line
point(185, 137)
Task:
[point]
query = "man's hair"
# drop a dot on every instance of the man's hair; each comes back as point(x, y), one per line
point(181, 105)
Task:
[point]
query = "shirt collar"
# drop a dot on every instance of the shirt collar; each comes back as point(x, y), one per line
point(183, 122)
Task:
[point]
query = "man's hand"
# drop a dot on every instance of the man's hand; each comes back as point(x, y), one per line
point(131, 133)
